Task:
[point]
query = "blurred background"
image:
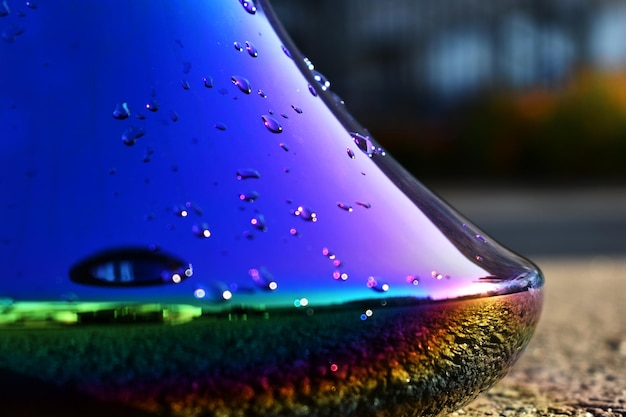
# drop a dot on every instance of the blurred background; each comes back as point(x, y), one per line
point(513, 110)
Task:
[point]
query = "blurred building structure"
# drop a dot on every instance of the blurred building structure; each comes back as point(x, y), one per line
point(404, 65)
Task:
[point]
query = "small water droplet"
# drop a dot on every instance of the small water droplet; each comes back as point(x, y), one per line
point(350, 153)
point(131, 134)
point(152, 105)
point(121, 111)
point(248, 5)
point(262, 93)
point(294, 232)
point(201, 230)
point(32, 4)
point(312, 90)
point(242, 84)
point(326, 252)
point(141, 116)
point(364, 205)
point(5, 10)
point(285, 148)
point(481, 238)
point(148, 155)
point(263, 278)
point(208, 82)
point(238, 46)
point(179, 43)
point(308, 63)
point(412, 279)
point(285, 50)
point(305, 213)
point(252, 51)
point(220, 126)
point(244, 174)
point(376, 285)
point(185, 84)
point(181, 211)
point(174, 116)
point(338, 275)
point(271, 124)
point(11, 32)
point(250, 196)
point(186, 67)
point(322, 80)
point(284, 116)
point(296, 109)
point(344, 206)
point(193, 206)
point(479, 258)
point(258, 222)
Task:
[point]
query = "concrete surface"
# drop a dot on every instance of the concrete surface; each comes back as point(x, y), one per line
point(576, 363)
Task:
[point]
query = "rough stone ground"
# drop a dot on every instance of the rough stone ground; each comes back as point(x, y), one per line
point(576, 363)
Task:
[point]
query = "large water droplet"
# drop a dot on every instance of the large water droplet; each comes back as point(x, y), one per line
point(252, 51)
point(121, 111)
point(131, 134)
point(248, 5)
point(250, 196)
point(364, 143)
point(271, 124)
point(242, 84)
point(244, 174)
point(258, 222)
point(208, 82)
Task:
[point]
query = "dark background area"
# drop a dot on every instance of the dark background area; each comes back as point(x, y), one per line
point(525, 91)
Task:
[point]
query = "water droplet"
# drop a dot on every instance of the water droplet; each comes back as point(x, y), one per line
point(208, 82)
point(312, 90)
point(244, 174)
point(179, 43)
point(412, 279)
point(308, 63)
point(258, 222)
point(262, 93)
point(251, 50)
point(201, 230)
point(5, 10)
point(263, 278)
point(364, 143)
point(326, 252)
point(364, 205)
point(271, 124)
point(479, 258)
point(148, 155)
point(305, 213)
point(220, 126)
point(322, 80)
point(242, 84)
point(248, 5)
point(250, 196)
point(296, 109)
point(285, 148)
point(186, 67)
point(294, 232)
point(185, 84)
point(193, 206)
point(121, 111)
point(481, 238)
point(377, 285)
point(238, 46)
point(31, 4)
point(152, 105)
point(350, 153)
point(181, 211)
point(174, 116)
point(344, 206)
point(141, 116)
point(131, 134)
point(11, 32)
point(285, 50)
point(338, 275)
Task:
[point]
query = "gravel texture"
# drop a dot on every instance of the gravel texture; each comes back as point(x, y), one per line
point(576, 363)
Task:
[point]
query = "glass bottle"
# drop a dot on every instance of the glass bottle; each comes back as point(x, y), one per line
point(193, 225)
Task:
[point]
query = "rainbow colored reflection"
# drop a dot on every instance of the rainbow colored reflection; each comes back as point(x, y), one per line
point(192, 224)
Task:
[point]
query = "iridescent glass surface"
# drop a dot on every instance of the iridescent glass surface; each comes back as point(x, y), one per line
point(192, 224)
